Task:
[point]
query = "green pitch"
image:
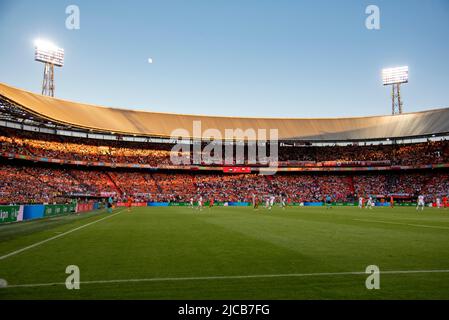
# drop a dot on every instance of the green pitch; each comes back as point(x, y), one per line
point(229, 253)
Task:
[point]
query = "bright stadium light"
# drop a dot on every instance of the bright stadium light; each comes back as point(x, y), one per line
point(45, 44)
point(48, 52)
point(51, 55)
point(394, 77)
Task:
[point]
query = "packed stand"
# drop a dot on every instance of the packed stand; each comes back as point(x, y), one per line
point(156, 154)
point(50, 184)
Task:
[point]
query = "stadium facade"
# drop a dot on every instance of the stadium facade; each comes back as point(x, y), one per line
point(25, 107)
point(54, 150)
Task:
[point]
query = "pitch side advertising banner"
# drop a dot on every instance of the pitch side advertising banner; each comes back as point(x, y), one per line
point(57, 209)
point(134, 204)
point(157, 204)
point(11, 214)
point(83, 207)
point(178, 204)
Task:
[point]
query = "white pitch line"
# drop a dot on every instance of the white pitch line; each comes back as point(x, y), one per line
point(291, 275)
point(422, 219)
point(56, 237)
point(404, 224)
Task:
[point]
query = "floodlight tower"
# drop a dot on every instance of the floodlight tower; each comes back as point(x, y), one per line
point(394, 77)
point(51, 55)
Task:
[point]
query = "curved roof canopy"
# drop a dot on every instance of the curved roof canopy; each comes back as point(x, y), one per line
point(156, 124)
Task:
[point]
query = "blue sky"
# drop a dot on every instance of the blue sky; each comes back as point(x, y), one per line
point(236, 58)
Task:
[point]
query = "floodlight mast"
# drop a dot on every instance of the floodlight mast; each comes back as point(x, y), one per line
point(48, 83)
point(396, 103)
point(394, 77)
point(49, 54)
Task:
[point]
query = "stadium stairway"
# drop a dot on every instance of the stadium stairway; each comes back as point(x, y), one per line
point(111, 177)
point(351, 184)
point(269, 180)
point(150, 176)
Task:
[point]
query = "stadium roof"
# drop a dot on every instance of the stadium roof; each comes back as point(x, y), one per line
point(141, 123)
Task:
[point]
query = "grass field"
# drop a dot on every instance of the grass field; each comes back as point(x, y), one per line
point(229, 253)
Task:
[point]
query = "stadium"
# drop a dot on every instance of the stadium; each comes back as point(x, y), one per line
point(147, 205)
point(57, 158)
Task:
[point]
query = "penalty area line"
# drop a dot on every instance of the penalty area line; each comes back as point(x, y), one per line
point(57, 236)
point(261, 276)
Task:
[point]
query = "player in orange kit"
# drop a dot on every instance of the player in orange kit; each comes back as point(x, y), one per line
point(211, 202)
point(129, 204)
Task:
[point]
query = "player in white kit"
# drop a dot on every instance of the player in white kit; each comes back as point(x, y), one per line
point(361, 202)
point(200, 203)
point(191, 203)
point(370, 203)
point(421, 203)
point(438, 202)
point(271, 202)
point(282, 202)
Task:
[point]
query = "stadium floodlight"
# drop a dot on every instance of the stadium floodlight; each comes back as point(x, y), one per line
point(394, 77)
point(51, 55)
point(48, 52)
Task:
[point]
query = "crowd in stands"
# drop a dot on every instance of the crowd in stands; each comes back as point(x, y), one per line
point(38, 183)
point(430, 152)
point(154, 154)
point(90, 150)
point(21, 183)
point(370, 184)
point(142, 184)
point(32, 185)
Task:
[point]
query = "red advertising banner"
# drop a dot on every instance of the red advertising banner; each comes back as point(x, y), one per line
point(237, 169)
point(134, 204)
point(83, 207)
